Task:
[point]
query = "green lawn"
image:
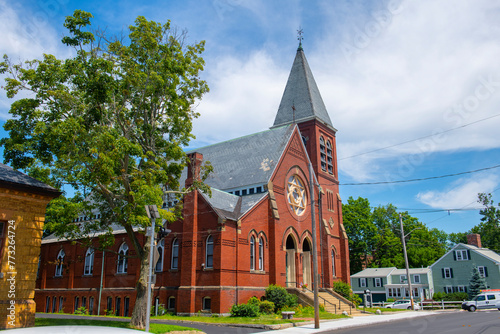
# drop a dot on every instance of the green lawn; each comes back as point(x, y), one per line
point(271, 319)
point(154, 328)
point(383, 309)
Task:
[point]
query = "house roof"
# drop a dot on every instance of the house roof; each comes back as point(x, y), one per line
point(116, 229)
point(412, 271)
point(244, 161)
point(486, 252)
point(229, 206)
point(301, 100)
point(11, 177)
point(374, 272)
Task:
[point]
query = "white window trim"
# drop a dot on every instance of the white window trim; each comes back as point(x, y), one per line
point(447, 271)
point(252, 253)
point(461, 288)
point(362, 282)
point(88, 267)
point(378, 282)
point(461, 255)
point(261, 253)
point(415, 280)
point(402, 278)
point(175, 254)
point(122, 263)
point(449, 289)
point(481, 271)
point(60, 263)
point(209, 241)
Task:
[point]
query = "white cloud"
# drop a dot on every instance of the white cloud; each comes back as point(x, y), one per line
point(27, 33)
point(462, 193)
point(404, 82)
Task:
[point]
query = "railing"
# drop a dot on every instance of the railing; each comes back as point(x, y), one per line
point(324, 300)
point(441, 304)
point(430, 304)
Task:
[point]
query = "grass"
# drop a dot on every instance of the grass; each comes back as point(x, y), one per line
point(263, 319)
point(153, 328)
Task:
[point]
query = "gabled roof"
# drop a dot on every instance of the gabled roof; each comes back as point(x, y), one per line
point(229, 206)
point(374, 272)
point(486, 252)
point(11, 177)
point(412, 271)
point(244, 161)
point(302, 95)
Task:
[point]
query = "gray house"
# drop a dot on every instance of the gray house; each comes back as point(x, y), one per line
point(452, 272)
point(385, 283)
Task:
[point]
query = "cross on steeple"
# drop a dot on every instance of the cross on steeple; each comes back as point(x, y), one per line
point(300, 38)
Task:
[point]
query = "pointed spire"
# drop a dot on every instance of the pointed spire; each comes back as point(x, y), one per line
point(301, 100)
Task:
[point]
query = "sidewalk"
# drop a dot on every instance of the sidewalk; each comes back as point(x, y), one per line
point(353, 322)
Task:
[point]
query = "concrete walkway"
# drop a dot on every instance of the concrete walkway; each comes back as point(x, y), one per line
point(353, 322)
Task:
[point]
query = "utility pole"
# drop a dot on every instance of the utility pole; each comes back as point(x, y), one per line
point(406, 260)
point(153, 214)
point(100, 286)
point(315, 256)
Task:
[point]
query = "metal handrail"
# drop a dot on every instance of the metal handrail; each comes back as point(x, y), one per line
point(325, 301)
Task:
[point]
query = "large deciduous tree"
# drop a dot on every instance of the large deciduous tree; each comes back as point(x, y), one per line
point(375, 237)
point(489, 227)
point(111, 122)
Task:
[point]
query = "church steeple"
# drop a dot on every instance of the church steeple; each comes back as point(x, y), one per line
point(301, 100)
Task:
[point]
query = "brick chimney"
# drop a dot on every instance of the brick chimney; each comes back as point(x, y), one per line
point(474, 240)
point(194, 168)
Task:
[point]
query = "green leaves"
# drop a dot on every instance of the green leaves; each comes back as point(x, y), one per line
point(111, 121)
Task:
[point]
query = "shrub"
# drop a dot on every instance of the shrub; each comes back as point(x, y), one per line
point(254, 300)
point(266, 307)
point(390, 300)
point(81, 310)
point(244, 310)
point(454, 296)
point(345, 291)
point(280, 297)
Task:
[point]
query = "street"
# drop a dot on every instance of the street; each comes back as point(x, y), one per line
point(480, 322)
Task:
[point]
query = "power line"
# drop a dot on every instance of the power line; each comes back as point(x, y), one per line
point(412, 140)
point(419, 179)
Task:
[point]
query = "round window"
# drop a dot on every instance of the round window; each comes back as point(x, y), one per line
point(297, 198)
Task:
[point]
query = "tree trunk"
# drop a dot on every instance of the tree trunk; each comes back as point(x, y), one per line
point(141, 308)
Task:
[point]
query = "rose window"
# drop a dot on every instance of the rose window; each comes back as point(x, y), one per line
point(296, 195)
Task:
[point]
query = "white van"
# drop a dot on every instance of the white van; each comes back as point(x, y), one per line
point(485, 300)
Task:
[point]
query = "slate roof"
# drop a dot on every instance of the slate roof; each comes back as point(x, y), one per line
point(301, 93)
point(231, 206)
point(248, 160)
point(375, 272)
point(11, 177)
point(116, 228)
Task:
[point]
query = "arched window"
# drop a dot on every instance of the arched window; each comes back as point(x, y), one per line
point(122, 259)
point(171, 303)
point(261, 253)
point(209, 257)
point(333, 264)
point(159, 263)
point(60, 262)
point(329, 157)
point(207, 304)
point(175, 254)
point(89, 262)
point(322, 152)
point(61, 301)
point(252, 253)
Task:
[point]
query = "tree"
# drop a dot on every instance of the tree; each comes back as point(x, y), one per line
point(489, 227)
point(476, 283)
point(361, 231)
point(376, 235)
point(110, 122)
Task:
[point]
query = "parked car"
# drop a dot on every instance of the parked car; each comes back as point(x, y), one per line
point(485, 300)
point(403, 304)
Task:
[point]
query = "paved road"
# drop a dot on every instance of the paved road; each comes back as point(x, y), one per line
point(209, 329)
point(459, 322)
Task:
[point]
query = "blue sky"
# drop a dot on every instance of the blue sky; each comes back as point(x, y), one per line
point(389, 72)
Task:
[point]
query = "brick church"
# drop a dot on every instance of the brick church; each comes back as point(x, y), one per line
point(254, 230)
